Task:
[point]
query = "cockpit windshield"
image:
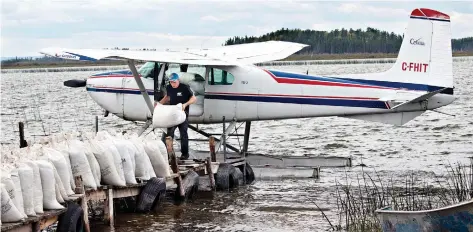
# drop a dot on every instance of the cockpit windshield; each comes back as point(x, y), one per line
point(147, 70)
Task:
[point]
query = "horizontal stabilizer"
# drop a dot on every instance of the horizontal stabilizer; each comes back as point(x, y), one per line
point(397, 119)
point(420, 98)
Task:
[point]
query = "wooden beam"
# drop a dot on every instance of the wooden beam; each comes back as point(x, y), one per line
point(174, 166)
point(210, 173)
point(213, 155)
point(108, 208)
point(43, 223)
point(21, 128)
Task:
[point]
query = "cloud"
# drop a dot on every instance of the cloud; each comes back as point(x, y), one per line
point(461, 24)
point(373, 11)
point(27, 25)
point(348, 8)
point(105, 39)
point(210, 18)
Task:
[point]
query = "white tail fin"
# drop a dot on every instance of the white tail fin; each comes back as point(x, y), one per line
point(425, 56)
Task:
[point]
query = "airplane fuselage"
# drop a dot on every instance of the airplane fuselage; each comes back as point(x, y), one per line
point(251, 93)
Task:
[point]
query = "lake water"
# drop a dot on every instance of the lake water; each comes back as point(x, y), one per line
point(425, 147)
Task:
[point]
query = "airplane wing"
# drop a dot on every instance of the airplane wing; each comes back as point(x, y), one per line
point(158, 56)
point(252, 53)
point(219, 56)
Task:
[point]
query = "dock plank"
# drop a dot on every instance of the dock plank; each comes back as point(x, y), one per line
point(28, 223)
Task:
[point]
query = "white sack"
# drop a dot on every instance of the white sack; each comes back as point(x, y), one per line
point(19, 194)
point(161, 168)
point(188, 77)
point(128, 169)
point(105, 158)
point(197, 87)
point(61, 165)
point(37, 188)
point(80, 164)
point(117, 159)
point(9, 211)
point(58, 194)
point(63, 148)
point(94, 164)
point(162, 149)
point(27, 188)
point(141, 159)
point(166, 116)
point(148, 164)
point(12, 192)
point(49, 185)
point(59, 186)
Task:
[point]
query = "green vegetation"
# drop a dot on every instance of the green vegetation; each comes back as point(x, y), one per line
point(358, 202)
point(344, 41)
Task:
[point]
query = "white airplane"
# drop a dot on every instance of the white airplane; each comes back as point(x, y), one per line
point(234, 89)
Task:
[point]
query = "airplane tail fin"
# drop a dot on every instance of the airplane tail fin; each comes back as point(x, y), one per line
point(424, 62)
point(425, 56)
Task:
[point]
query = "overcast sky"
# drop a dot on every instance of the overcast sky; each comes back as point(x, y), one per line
point(29, 25)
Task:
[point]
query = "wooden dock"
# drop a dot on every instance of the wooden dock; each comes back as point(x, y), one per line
point(106, 193)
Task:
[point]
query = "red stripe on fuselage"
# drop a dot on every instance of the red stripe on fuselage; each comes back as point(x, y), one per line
point(284, 80)
point(107, 76)
point(324, 83)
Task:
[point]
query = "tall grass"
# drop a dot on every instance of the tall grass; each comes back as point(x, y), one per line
point(358, 202)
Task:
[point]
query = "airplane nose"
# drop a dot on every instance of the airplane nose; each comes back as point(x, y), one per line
point(74, 83)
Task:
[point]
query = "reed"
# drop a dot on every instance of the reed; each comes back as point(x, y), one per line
point(358, 202)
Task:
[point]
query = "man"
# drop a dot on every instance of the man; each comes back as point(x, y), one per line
point(179, 93)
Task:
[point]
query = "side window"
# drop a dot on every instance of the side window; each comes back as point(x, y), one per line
point(220, 77)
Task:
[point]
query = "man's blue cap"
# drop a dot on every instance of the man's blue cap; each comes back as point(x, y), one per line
point(174, 77)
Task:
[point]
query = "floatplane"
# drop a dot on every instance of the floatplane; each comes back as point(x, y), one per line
point(236, 90)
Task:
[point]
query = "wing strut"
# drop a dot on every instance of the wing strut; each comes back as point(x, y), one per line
point(143, 91)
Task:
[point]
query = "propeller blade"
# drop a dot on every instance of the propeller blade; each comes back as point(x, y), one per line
point(75, 83)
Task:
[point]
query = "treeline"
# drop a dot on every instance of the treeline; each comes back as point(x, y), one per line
point(342, 41)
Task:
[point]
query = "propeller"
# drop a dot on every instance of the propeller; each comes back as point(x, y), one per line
point(75, 83)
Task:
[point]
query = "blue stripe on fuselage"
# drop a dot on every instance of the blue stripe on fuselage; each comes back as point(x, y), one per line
point(122, 91)
point(291, 100)
point(305, 101)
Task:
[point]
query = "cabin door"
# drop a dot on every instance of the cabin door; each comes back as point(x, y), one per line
point(219, 100)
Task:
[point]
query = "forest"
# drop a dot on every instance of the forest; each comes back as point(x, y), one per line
point(343, 41)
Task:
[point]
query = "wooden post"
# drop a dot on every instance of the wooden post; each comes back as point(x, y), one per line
point(96, 123)
point(79, 186)
point(174, 166)
point(83, 203)
point(208, 165)
point(108, 208)
point(316, 173)
point(213, 156)
point(23, 142)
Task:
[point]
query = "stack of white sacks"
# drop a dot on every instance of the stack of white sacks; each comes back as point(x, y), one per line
point(41, 177)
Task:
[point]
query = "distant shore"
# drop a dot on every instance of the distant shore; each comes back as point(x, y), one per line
point(71, 63)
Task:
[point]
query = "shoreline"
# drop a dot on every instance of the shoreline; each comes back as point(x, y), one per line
point(314, 57)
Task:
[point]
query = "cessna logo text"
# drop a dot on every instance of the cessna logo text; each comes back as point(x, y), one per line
point(414, 67)
point(417, 42)
point(66, 56)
